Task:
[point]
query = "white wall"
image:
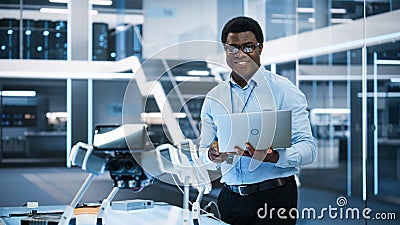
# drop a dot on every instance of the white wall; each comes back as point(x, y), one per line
point(108, 100)
point(170, 22)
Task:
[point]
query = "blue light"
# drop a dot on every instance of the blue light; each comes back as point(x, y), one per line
point(58, 35)
point(113, 54)
point(39, 48)
point(3, 47)
point(28, 32)
point(9, 32)
point(46, 33)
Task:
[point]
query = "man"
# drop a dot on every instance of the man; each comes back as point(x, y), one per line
point(248, 192)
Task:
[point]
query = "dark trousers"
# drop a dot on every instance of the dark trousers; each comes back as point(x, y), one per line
point(259, 208)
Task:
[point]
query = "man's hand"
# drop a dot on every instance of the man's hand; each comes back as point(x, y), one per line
point(214, 154)
point(268, 155)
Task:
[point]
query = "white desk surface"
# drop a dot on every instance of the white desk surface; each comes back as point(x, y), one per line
point(162, 213)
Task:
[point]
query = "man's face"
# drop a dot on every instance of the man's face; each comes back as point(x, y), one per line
point(243, 64)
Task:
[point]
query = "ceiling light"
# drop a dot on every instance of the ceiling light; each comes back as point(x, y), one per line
point(283, 16)
point(305, 10)
point(160, 115)
point(93, 2)
point(58, 1)
point(338, 11)
point(63, 11)
point(198, 73)
point(18, 93)
point(312, 10)
point(186, 78)
point(55, 115)
point(287, 21)
point(93, 12)
point(311, 20)
point(54, 10)
point(277, 21)
point(100, 2)
point(340, 20)
point(330, 111)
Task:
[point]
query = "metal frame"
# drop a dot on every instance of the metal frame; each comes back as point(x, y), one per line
point(375, 96)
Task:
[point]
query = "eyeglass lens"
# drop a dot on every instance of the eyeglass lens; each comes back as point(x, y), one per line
point(245, 48)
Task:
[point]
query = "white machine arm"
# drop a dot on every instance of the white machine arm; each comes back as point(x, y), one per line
point(183, 160)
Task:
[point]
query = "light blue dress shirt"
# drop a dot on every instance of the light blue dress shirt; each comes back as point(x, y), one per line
point(265, 91)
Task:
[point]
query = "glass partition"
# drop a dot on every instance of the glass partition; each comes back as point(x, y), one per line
point(383, 136)
point(326, 82)
point(352, 96)
point(288, 17)
point(33, 121)
point(344, 57)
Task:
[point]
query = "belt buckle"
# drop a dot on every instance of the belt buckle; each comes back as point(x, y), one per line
point(240, 190)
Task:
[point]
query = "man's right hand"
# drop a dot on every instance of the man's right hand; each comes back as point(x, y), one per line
point(214, 154)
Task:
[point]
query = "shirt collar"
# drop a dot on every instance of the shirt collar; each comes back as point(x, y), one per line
point(252, 82)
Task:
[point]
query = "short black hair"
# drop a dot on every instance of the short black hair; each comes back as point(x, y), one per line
point(242, 24)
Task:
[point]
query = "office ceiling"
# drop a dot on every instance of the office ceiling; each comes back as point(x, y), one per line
point(286, 25)
point(373, 6)
point(31, 4)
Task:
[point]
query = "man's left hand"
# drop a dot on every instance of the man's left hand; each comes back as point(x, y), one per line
point(267, 155)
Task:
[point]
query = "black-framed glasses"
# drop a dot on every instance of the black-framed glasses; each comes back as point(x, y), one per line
point(233, 49)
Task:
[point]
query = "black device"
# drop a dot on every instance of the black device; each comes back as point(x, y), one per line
point(119, 142)
point(127, 173)
point(41, 219)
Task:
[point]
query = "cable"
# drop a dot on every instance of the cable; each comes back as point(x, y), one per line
point(204, 211)
point(137, 190)
point(209, 206)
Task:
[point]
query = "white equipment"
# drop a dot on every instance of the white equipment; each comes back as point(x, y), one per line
point(183, 160)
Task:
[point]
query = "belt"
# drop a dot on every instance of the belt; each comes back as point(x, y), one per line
point(248, 189)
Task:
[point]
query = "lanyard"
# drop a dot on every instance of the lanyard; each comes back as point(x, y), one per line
point(247, 100)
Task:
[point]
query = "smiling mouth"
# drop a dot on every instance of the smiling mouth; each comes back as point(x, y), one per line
point(242, 63)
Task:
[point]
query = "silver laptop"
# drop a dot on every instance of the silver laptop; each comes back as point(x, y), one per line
point(261, 129)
